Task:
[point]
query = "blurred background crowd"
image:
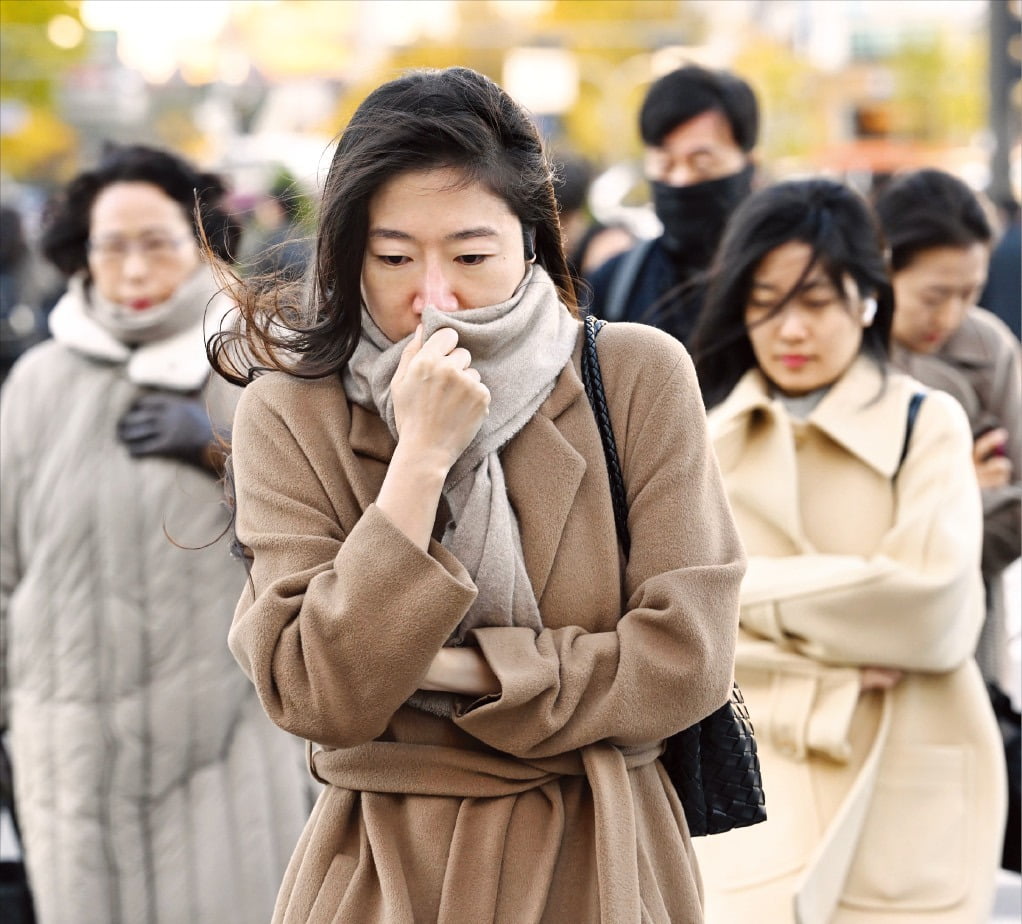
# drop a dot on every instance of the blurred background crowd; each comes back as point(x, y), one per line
point(256, 89)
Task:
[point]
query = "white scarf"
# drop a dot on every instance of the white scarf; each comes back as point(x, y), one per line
point(163, 346)
point(519, 348)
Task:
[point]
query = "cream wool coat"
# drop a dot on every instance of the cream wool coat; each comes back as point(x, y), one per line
point(552, 805)
point(882, 807)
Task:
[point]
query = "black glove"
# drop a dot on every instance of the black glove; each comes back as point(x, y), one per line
point(167, 425)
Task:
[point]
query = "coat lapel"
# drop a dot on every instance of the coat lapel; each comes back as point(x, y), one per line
point(753, 441)
point(543, 498)
point(862, 411)
point(371, 442)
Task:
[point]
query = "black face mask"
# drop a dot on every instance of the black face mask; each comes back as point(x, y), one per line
point(694, 216)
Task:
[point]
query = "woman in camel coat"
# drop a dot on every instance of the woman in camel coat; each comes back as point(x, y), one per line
point(438, 602)
point(863, 598)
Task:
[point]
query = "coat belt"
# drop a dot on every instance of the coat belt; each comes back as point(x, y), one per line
point(431, 770)
point(819, 888)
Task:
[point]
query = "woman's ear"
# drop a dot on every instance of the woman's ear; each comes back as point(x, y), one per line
point(869, 310)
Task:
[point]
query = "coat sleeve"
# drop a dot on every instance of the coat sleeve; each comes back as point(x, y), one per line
point(917, 604)
point(335, 629)
point(1002, 507)
point(670, 660)
point(11, 445)
point(19, 428)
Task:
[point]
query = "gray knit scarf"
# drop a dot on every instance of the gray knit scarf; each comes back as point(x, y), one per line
point(185, 308)
point(519, 348)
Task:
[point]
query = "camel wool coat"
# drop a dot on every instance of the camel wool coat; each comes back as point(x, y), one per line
point(545, 802)
point(882, 807)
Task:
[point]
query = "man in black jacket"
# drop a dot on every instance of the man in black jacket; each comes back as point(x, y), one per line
point(699, 128)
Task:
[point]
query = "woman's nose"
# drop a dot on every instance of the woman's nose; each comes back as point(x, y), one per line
point(434, 289)
point(135, 265)
point(792, 324)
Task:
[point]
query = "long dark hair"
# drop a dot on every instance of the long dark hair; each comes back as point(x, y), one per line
point(844, 238)
point(65, 235)
point(423, 120)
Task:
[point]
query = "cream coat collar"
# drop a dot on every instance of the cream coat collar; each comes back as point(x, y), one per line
point(177, 362)
point(862, 412)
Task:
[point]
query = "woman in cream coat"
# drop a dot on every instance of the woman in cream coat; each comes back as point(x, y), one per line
point(862, 601)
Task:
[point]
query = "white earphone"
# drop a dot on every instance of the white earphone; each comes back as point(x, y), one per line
point(869, 311)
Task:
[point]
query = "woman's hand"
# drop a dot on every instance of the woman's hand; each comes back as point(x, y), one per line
point(879, 678)
point(993, 468)
point(461, 670)
point(439, 405)
point(439, 401)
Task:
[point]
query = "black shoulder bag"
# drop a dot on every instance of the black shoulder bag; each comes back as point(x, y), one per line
point(712, 764)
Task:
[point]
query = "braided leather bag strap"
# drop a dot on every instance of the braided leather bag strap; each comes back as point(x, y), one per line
point(713, 764)
point(592, 381)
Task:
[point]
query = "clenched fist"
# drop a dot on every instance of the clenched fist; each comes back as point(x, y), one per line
point(439, 400)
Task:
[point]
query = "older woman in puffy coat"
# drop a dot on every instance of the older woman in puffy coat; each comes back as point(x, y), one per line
point(149, 785)
point(854, 493)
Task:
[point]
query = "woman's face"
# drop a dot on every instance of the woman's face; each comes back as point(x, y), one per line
point(434, 240)
point(815, 337)
point(141, 246)
point(933, 292)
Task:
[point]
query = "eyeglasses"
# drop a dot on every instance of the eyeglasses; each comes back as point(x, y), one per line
point(153, 249)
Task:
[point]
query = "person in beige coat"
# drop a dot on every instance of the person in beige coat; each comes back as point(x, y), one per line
point(859, 509)
point(149, 786)
point(438, 603)
point(939, 239)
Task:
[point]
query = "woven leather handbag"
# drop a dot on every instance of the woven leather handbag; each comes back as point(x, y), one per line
point(713, 764)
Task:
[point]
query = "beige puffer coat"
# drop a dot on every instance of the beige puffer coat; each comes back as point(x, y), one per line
point(151, 788)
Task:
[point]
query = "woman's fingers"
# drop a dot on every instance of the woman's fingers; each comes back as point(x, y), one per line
point(408, 354)
point(879, 678)
point(989, 444)
point(440, 342)
point(994, 472)
point(440, 401)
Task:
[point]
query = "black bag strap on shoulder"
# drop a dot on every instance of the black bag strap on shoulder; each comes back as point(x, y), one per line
point(910, 423)
point(713, 765)
point(623, 280)
point(592, 381)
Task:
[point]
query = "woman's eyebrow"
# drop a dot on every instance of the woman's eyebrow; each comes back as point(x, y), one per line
point(390, 234)
point(811, 283)
point(393, 234)
point(116, 233)
point(468, 233)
